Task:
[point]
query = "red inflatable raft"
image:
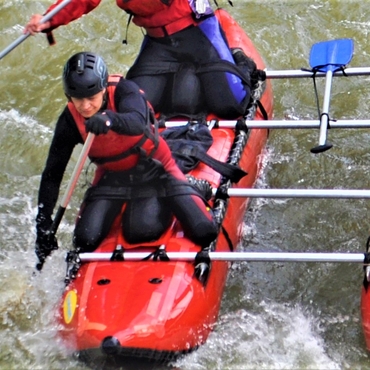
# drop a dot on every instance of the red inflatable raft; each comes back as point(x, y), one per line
point(158, 310)
point(365, 298)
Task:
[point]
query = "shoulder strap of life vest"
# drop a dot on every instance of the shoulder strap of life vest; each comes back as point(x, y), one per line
point(149, 133)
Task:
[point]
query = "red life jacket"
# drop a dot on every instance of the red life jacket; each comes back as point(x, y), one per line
point(159, 17)
point(144, 8)
point(112, 151)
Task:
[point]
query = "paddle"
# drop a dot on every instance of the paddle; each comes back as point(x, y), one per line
point(44, 19)
point(68, 194)
point(328, 57)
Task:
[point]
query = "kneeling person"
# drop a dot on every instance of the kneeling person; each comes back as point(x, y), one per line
point(135, 167)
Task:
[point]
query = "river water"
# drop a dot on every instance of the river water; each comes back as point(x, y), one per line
point(273, 315)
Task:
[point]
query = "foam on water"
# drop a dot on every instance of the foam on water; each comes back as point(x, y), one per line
point(28, 299)
point(277, 337)
point(23, 144)
point(13, 120)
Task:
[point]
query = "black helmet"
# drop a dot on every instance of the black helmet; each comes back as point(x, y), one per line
point(85, 74)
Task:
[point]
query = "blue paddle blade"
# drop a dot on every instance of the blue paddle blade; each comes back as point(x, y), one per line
point(331, 55)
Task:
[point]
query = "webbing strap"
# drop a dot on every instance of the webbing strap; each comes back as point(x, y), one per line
point(227, 237)
point(150, 69)
point(171, 188)
point(234, 173)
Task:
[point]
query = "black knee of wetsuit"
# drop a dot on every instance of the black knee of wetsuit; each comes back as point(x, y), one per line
point(198, 226)
point(186, 98)
point(157, 89)
point(94, 223)
point(145, 219)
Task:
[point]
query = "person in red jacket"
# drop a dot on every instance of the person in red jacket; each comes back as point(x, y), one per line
point(134, 165)
point(185, 65)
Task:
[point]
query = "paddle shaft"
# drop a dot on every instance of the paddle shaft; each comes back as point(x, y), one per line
point(44, 19)
point(236, 256)
point(72, 183)
point(325, 109)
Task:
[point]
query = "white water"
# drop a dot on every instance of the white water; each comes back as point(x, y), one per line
point(278, 336)
point(273, 316)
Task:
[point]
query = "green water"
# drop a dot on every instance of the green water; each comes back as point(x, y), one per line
point(274, 315)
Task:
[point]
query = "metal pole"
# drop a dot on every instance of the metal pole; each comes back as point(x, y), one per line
point(325, 110)
point(72, 183)
point(356, 71)
point(67, 195)
point(237, 256)
point(20, 39)
point(283, 124)
point(77, 170)
point(298, 193)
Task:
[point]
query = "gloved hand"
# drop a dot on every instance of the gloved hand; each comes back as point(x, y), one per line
point(45, 241)
point(45, 244)
point(98, 124)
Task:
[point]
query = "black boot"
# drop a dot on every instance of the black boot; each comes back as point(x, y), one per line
point(203, 186)
point(242, 60)
point(248, 65)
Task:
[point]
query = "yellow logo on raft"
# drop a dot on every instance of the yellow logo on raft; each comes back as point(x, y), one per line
point(69, 306)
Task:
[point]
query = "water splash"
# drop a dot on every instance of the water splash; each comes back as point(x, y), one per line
point(278, 336)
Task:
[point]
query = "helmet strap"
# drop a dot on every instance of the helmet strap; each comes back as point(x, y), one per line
point(105, 101)
point(68, 97)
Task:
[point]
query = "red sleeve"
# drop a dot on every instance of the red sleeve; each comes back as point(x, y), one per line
point(74, 10)
point(164, 155)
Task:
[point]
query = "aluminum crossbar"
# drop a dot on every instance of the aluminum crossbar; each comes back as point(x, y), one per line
point(283, 124)
point(235, 256)
point(296, 73)
point(299, 193)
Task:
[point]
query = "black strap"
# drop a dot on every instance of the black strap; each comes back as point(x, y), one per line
point(50, 38)
point(158, 255)
point(124, 41)
point(234, 173)
point(314, 71)
point(263, 110)
point(118, 254)
point(366, 263)
point(123, 192)
point(150, 69)
point(228, 240)
point(224, 66)
point(167, 188)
